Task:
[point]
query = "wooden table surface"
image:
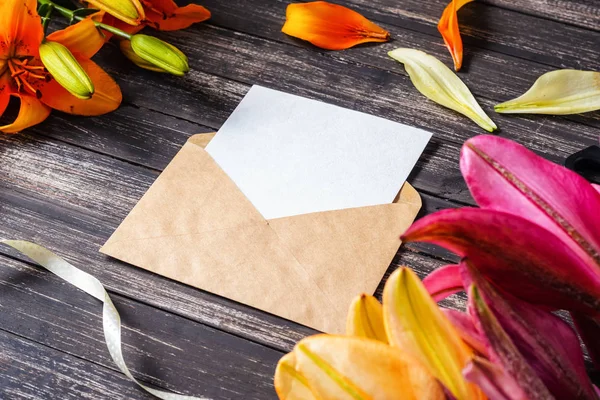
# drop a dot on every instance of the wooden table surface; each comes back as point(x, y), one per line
point(68, 183)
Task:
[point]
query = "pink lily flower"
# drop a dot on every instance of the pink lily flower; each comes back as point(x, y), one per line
point(536, 236)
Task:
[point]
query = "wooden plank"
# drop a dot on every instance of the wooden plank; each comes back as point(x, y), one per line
point(583, 13)
point(33, 372)
point(160, 348)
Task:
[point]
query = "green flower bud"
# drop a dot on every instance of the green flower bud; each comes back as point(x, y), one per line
point(128, 11)
point(65, 69)
point(160, 54)
point(126, 49)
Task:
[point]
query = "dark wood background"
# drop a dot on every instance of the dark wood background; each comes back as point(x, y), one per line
point(69, 182)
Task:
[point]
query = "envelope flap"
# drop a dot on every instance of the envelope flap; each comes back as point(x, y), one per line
point(192, 195)
point(346, 252)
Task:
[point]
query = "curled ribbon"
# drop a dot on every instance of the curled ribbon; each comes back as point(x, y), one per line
point(111, 320)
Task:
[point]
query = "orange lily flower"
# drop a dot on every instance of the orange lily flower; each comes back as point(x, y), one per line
point(448, 27)
point(330, 26)
point(23, 75)
point(163, 15)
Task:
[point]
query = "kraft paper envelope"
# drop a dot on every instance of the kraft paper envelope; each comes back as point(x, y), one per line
point(196, 227)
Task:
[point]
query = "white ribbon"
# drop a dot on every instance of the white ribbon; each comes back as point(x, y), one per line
point(110, 317)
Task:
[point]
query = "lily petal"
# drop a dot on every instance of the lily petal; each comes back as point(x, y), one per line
point(494, 382)
point(165, 15)
point(438, 83)
point(5, 90)
point(331, 26)
point(443, 282)
point(561, 92)
point(505, 352)
point(365, 319)
point(106, 98)
point(505, 176)
point(517, 255)
point(416, 325)
point(352, 368)
point(20, 28)
point(83, 39)
point(466, 329)
point(289, 383)
point(589, 330)
point(448, 27)
point(31, 113)
point(547, 343)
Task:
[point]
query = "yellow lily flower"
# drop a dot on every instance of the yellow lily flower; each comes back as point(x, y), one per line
point(353, 368)
point(416, 326)
point(365, 319)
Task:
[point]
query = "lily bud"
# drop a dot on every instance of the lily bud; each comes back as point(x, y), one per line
point(160, 54)
point(65, 69)
point(126, 49)
point(128, 11)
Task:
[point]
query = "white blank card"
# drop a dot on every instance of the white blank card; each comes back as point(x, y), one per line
point(290, 155)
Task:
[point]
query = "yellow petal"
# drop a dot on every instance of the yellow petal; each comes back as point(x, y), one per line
point(416, 325)
point(341, 367)
point(365, 319)
point(438, 83)
point(289, 383)
point(566, 91)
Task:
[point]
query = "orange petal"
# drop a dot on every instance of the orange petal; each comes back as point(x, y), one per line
point(31, 113)
point(5, 90)
point(331, 26)
point(448, 27)
point(83, 39)
point(105, 99)
point(21, 29)
point(181, 18)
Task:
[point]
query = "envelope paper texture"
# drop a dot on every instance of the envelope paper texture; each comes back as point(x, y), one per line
point(195, 226)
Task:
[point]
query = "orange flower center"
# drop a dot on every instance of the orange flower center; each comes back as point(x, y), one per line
point(24, 71)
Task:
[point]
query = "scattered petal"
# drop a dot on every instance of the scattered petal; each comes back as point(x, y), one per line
point(416, 325)
point(438, 83)
point(365, 319)
point(448, 27)
point(331, 26)
point(565, 91)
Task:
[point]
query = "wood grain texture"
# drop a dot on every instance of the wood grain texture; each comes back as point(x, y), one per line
point(68, 183)
point(584, 13)
point(161, 349)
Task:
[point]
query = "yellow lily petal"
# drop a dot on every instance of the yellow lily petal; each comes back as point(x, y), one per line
point(438, 83)
point(365, 319)
point(416, 325)
point(565, 91)
point(341, 367)
point(289, 383)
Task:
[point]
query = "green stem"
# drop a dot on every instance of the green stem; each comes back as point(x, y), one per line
point(65, 12)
